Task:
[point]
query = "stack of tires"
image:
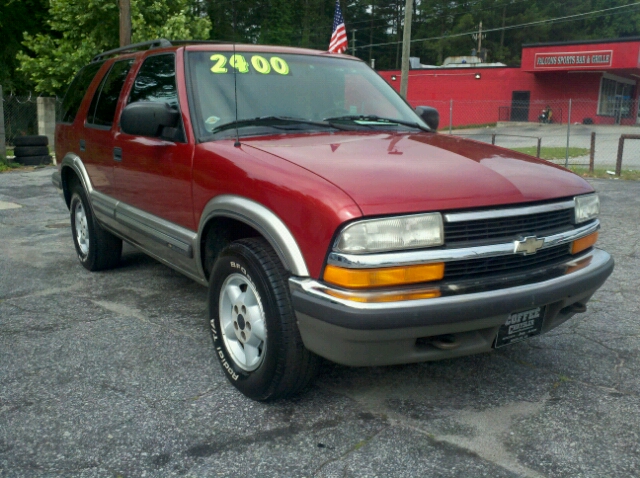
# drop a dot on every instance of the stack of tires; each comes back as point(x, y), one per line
point(31, 150)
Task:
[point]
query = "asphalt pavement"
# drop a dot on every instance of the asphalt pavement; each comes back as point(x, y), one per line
point(112, 374)
point(518, 135)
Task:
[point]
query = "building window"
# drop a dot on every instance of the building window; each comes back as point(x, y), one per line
point(615, 98)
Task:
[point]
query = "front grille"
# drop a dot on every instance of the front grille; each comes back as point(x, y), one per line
point(503, 265)
point(507, 229)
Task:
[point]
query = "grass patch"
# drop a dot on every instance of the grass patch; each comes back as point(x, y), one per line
point(601, 173)
point(7, 164)
point(549, 153)
point(468, 126)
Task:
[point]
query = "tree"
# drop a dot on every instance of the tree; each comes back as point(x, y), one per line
point(80, 29)
point(17, 16)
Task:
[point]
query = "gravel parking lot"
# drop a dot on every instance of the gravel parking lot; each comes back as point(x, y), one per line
point(112, 375)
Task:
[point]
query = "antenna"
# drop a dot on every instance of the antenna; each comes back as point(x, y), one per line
point(235, 71)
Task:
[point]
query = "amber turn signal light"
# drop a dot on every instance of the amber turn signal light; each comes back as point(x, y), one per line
point(383, 277)
point(583, 243)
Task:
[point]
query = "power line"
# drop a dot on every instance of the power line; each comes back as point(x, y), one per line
point(511, 27)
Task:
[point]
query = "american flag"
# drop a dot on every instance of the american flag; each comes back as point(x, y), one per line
point(338, 43)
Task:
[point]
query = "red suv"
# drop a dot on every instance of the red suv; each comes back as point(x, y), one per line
point(326, 216)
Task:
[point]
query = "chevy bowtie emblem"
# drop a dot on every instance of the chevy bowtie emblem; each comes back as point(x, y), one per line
point(529, 245)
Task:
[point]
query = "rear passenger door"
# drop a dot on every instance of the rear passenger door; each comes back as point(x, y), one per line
point(154, 174)
point(99, 127)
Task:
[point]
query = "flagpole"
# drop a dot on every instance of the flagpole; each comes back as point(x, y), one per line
point(406, 44)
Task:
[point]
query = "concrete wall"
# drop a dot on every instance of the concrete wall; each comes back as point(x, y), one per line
point(47, 118)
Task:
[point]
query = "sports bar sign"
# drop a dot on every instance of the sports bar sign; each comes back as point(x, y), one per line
point(573, 60)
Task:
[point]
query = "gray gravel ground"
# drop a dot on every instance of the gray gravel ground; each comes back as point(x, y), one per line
point(112, 375)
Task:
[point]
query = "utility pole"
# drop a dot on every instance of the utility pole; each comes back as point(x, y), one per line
point(406, 49)
point(125, 22)
point(373, 6)
point(504, 15)
point(3, 143)
point(353, 42)
point(480, 38)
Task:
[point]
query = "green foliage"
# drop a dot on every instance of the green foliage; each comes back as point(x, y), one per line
point(6, 164)
point(448, 26)
point(61, 40)
point(79, 29)
point(16, 17)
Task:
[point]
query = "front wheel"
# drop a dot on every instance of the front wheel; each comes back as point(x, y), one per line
point(253, 324)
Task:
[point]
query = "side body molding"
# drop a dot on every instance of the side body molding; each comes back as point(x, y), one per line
point(261, 219)
point(167, 242)
point(176, 246)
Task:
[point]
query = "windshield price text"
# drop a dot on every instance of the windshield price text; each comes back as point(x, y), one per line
point(258, 63)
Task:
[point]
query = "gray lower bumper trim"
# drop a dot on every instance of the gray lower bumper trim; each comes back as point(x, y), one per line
point(308, 299)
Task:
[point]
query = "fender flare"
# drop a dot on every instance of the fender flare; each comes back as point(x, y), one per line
point(265, 221)
point(74, 162)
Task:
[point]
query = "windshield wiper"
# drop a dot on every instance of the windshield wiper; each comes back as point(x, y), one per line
point(376, 119)
point(274, 121)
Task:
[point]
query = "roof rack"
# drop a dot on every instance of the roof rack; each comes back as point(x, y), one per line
point(200, 42)
point(159, 43)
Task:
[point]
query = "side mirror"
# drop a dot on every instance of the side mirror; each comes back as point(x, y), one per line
point(148, 118)
point(429, 115)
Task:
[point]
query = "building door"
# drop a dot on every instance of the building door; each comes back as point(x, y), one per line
point(520, 105)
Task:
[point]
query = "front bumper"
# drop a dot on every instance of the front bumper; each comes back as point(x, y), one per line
point(354, 333)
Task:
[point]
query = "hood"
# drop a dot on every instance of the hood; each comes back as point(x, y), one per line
point(398, 173)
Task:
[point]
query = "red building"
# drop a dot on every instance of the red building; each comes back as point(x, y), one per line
point(599, 77)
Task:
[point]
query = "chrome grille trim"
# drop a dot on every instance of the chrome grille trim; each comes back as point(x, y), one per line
point(405, 258)
point(508, 212)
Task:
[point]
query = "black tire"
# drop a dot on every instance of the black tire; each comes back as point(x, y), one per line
point(33, 160)
point(22, 151)
point(97, 249)
point(31, 141)
point(283, 366)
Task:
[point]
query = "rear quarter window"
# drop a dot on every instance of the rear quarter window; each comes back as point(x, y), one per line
point(76, 91)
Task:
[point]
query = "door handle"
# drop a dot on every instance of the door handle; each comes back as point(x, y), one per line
point(83, 145)
point(117, 154)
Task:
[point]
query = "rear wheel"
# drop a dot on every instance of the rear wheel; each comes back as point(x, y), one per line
point(97, 249)
point(254, 330)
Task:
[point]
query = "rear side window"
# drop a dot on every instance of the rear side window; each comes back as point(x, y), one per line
point(77, 89)
point(105, 100)
point(156, 81)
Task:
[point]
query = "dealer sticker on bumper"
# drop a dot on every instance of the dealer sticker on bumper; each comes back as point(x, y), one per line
point(520, 326)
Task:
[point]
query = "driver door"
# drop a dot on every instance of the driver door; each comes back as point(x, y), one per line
point(154, 174)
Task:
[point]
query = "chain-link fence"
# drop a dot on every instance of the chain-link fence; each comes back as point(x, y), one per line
point(556, 130)
point(20, 117)
point(28, 115)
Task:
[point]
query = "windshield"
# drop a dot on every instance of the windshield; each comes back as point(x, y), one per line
point(279, 93)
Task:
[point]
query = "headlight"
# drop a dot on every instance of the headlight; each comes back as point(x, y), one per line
point(587, 207)
point(378, 235)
